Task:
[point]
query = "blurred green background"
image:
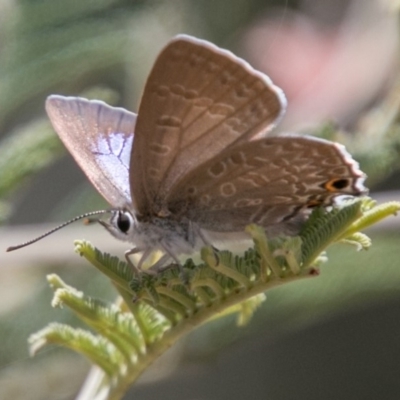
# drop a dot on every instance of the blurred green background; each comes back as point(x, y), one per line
point(337, 61)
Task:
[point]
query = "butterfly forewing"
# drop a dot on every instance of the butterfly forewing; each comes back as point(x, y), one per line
point(268, 181)
point(100, 138)
point(198, 100)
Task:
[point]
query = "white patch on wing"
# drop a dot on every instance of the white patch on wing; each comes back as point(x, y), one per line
point(113, 154)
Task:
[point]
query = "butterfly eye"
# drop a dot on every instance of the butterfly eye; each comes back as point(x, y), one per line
point(124, 221)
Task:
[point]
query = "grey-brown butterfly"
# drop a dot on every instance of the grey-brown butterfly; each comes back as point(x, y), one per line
point(195, 162)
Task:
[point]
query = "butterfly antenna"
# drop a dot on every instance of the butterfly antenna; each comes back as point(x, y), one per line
point(86, 215)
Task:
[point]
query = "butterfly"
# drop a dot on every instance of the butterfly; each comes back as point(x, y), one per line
point(196, 162)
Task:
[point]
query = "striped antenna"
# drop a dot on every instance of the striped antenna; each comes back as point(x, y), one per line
point(79, 217)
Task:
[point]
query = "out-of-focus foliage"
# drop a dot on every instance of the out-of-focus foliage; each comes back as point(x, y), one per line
point(73, 47)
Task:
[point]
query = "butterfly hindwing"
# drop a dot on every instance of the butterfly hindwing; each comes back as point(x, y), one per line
point(266, 181)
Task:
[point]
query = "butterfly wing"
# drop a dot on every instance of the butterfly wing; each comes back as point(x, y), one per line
point(272, 182)
point(100, 139)
point(198, 100)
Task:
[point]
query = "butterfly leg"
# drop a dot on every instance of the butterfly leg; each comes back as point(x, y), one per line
point(159, 265)
point(197, 231)
point(136, 269)
point(128, 253)
point(169, 254)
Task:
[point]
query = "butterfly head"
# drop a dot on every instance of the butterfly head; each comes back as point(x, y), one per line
point(121, 224)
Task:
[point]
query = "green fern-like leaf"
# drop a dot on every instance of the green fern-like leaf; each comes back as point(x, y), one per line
point(324, 227)
point(95, 347)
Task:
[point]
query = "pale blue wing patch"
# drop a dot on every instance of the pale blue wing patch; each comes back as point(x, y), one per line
point(113, 152)
point(100, 139)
